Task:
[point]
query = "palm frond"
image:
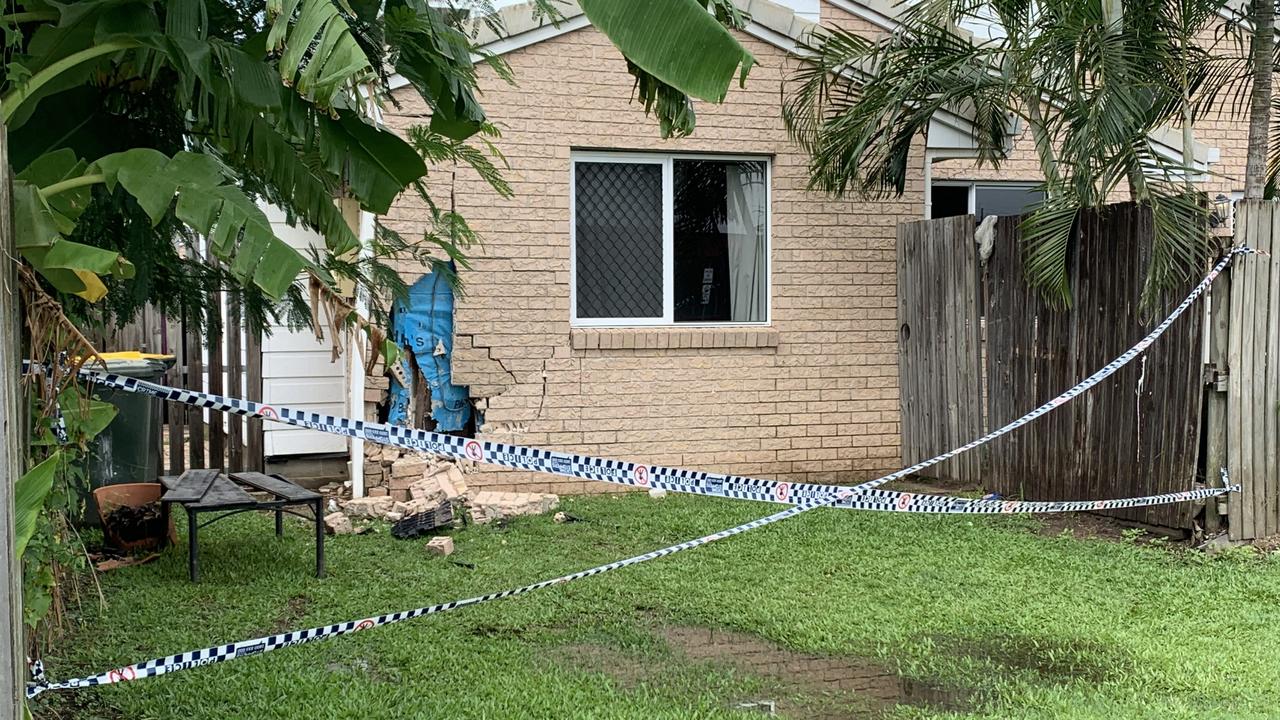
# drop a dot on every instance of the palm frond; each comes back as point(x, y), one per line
point(1047, 234)
point(431, 50)
point(859, 105)
point(436, 148)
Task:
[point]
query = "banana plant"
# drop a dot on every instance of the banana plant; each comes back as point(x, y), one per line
point(676, 50)
point(287, 112)
point(283, 99)
point(29, 494)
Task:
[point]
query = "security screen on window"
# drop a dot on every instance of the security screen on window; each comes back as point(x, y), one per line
point(662, 240)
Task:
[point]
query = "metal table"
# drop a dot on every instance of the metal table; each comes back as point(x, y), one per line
point(210, 491)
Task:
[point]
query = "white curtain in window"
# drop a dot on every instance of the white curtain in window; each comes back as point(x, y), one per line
point(746, 218)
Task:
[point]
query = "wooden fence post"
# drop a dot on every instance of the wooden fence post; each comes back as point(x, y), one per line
point(253, 391)
point(235, 384)
point(12, 426)
point(175, 414)
point(215, 334)
point(1216, 396)
point(195, 381)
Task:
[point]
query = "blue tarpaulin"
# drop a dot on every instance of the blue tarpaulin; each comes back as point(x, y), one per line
point(424, 326)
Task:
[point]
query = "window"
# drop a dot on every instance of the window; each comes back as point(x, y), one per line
point(1004, 200)
point(951, 199)
point(661, 239)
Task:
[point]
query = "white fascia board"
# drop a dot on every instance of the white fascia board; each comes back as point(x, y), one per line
point(512, 43)
point(774, 38)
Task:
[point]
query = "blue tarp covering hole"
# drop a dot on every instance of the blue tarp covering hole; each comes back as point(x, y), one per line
point(423, 326)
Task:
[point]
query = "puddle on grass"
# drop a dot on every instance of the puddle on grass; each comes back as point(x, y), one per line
point(831, 687)
point(796, 685)
point(294, 609)
point(363, 670)
point(1053, 661)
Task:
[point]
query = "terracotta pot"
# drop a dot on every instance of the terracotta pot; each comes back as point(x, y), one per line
point(111, 497)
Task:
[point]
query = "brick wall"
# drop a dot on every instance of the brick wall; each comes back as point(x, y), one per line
point(812, 397)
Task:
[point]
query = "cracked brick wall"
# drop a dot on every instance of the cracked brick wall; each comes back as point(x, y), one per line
point(813, 396)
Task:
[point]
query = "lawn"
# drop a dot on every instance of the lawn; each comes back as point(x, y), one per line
point(833, 614)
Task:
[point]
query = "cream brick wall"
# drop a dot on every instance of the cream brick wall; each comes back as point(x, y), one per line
point(813, 397)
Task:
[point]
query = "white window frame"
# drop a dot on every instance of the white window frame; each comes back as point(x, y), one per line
point(973, 186)
point(667, 161)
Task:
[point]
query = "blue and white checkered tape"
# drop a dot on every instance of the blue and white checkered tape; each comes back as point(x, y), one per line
point(809, 496)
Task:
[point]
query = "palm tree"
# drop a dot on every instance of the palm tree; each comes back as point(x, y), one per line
point(1089, 79)
point(1263, 57)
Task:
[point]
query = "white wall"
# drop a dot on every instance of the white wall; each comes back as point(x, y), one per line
point(297, 372)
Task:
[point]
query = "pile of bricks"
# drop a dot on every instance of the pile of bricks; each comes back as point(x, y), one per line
point(415, 485)
point(410, 484)
point(377, 464)
point(489, 506)
point(390, 472)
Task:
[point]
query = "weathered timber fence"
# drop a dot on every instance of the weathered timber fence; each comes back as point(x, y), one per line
point(1253, 375)
point(939, 340)
point(1136, 434)
point(227, 362)
point(13, 426)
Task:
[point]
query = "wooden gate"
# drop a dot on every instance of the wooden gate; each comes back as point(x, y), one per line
point(939, 324)
point(1135, 434)
point(1253, 375)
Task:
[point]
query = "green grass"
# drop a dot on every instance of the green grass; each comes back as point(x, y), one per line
point(1021, 625)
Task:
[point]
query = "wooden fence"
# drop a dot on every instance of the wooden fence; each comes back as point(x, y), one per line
point(228, 363)
point(1253, 375)
point(1135, 434)
point(939, 339)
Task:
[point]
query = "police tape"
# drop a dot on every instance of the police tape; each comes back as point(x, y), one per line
point(246, 648)
point(808, 496)
point(866, 496)
point(640, 475)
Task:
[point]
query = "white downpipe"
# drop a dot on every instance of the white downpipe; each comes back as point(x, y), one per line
point(355, 368)
point(928, 184)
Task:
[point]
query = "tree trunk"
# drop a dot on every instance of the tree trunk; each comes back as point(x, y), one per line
point(1255, 174)
point(1188, 134)
point(1044, 145)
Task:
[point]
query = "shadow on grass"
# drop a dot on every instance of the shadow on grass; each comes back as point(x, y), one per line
point(1041, 660)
